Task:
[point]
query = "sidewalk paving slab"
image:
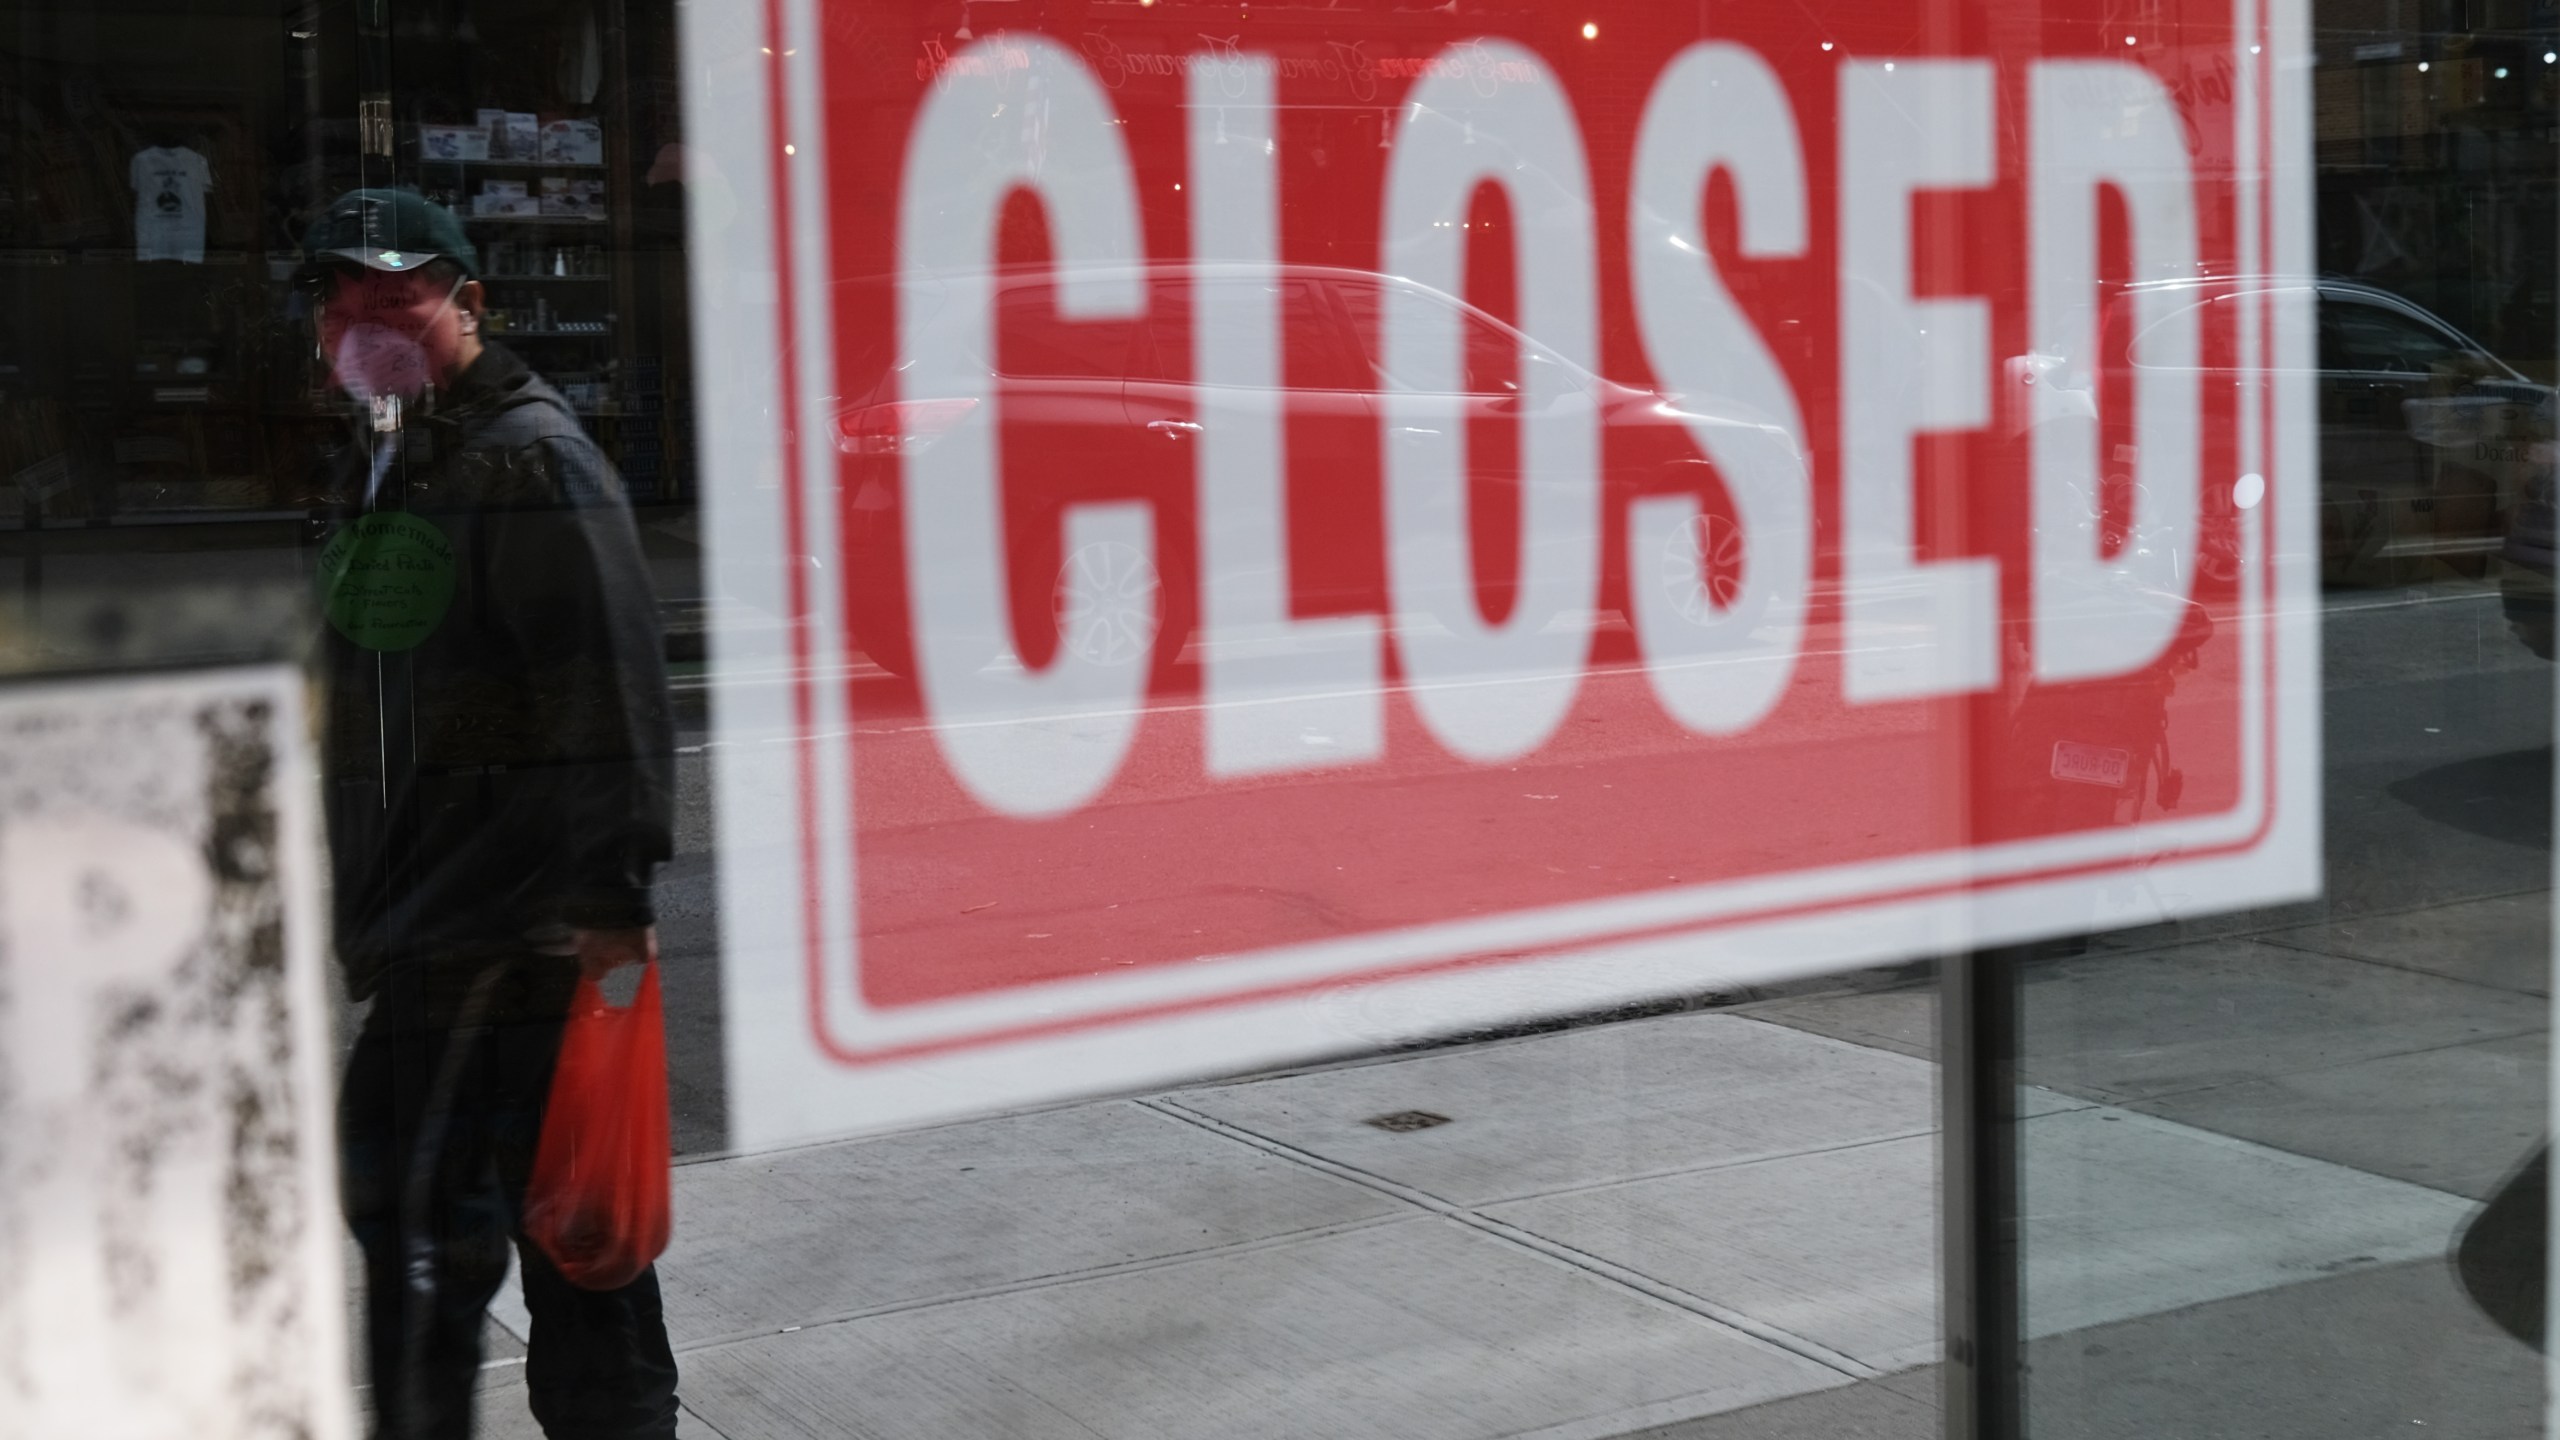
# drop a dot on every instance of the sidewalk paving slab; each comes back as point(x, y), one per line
point(1838, 1246)
point(2126, 1215)
point(1422, 1330)
point(2503, 941)
point(2383, 1354)
point(805, 1235)
point(1111, 1271)
point(1589, 1107)
point(2144, 1026)
point(2389, 1352)
point(1903, 1020)
point(2458, 1119)
point(1868, 1410)
point(2140, 1215)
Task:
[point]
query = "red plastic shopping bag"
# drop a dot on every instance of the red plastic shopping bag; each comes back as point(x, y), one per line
point(597, 1202)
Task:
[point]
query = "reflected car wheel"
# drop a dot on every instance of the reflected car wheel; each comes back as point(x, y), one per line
point(1129, 597)
point(1122, 595)
point(1700, 572)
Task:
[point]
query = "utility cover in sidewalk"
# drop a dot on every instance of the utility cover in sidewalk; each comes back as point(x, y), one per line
point(1402, 1121)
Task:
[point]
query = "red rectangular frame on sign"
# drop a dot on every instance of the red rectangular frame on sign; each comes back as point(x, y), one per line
point(900, 913)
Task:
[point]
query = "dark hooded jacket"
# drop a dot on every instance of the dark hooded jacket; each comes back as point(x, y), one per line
point(510, 775)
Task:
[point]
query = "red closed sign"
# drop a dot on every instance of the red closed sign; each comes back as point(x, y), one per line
point(1245, 533)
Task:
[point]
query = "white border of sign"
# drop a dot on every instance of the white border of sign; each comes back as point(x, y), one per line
point(767, 360)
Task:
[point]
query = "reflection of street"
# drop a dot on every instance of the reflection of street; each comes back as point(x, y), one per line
point(1170, 867)
point(2391, 652)
point(2265, 1126)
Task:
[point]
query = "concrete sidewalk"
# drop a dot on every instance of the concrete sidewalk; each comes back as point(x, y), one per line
point(2255, 1139)
point(1705, 1224)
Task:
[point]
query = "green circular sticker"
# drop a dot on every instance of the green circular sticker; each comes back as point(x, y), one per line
point(386, 579)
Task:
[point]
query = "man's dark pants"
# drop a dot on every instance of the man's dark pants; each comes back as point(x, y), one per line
point(440, 1116)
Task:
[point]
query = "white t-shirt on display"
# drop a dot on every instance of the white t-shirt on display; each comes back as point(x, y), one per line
point(169, 186)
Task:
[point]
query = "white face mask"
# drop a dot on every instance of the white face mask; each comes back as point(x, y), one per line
point(374, 361)
point(378, 362)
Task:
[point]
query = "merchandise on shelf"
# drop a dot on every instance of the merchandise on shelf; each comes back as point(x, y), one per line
point(573, 142)
point(453, 142)
point(505, 198)
point(572, 199)
point(523, 138)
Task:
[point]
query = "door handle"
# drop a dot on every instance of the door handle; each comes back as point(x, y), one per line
point(1174, 429)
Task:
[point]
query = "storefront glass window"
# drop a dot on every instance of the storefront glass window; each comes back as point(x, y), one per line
point(1348, 718)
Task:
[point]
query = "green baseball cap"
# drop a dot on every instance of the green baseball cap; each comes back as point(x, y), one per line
point(394, 230)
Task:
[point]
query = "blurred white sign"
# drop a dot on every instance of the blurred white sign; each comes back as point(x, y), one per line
point(169, 1235)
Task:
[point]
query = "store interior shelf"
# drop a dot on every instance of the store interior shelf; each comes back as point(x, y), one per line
point(513, 164)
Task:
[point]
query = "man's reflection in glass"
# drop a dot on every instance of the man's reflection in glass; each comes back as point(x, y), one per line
point(499, 761)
